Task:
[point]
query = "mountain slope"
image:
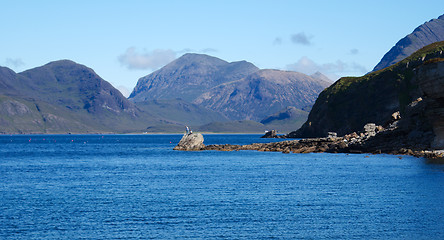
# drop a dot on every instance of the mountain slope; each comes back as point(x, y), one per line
point(286, 120)
point(351, 102)
point(427, 33)
point(262, 93)
point(188, 77)
point(76, 87)
point(180, 111)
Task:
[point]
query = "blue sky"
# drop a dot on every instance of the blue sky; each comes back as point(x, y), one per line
point(125, 40)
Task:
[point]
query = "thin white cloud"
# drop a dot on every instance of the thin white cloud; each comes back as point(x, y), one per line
point(301, 38)
point(153, 60)
point(332, 70)
point(14, 62)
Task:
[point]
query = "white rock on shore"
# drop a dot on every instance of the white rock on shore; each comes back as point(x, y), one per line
point(190, 142)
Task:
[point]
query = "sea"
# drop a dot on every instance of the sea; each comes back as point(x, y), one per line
point(138, 187)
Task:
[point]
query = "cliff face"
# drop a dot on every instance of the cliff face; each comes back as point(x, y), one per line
point(427, 33)
point(431, 82)
point(350, 103)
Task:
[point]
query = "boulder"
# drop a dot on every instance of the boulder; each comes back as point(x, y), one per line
point(370, 129)
point(332, 135)
point(270, 134)
point(190, 142)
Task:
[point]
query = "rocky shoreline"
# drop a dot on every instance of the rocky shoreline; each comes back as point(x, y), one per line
point(372, 140)
point(324, 145)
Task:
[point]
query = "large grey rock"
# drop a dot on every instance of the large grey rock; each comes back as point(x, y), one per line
point(370, 129)
point(190, 142)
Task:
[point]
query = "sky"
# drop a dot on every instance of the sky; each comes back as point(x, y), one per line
point(126, 40)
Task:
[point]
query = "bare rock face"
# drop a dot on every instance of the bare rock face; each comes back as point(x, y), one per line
point(431, 82)
point(190, 142)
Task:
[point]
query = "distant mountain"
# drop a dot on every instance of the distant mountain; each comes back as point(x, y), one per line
point(76, 87)
point(320, 76)
point(188, 77)
point(262, 93)
point(181, 112)
point(286, 120)
point(245, 126)
point(427, 33)
point(64, 96)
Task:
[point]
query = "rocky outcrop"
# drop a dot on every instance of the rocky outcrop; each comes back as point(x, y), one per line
point(352, 102)
point(427, 33)
point(272, 134)
point(191, 142)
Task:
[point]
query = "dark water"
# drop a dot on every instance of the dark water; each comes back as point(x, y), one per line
point(136, 187)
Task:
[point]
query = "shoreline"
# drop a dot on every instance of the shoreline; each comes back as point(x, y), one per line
point(325, 145)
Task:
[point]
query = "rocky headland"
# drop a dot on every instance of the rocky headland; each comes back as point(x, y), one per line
point(416, 128)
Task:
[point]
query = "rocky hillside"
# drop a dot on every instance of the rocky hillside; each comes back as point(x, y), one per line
point(427, 33)
point(62, 97)
point(262, 93)
point(188, 77)
point(351, 102)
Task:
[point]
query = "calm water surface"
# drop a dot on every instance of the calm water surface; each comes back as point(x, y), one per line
point(137, 187)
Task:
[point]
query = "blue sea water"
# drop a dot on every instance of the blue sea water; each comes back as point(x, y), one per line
point(137, 187)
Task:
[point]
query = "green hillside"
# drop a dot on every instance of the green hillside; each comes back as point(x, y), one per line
point(351, 102)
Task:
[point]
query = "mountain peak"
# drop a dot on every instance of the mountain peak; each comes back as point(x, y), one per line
point(427, 33)
point(188, 77)
point(320, 76)
point(189, 58)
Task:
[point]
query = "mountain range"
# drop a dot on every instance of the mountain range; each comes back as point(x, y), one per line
point(210, 94)
point(238, 90)
point(188, 76)
point(67, 97)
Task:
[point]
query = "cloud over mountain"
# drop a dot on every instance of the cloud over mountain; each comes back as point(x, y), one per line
point(153, 60)
point(333, 69)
